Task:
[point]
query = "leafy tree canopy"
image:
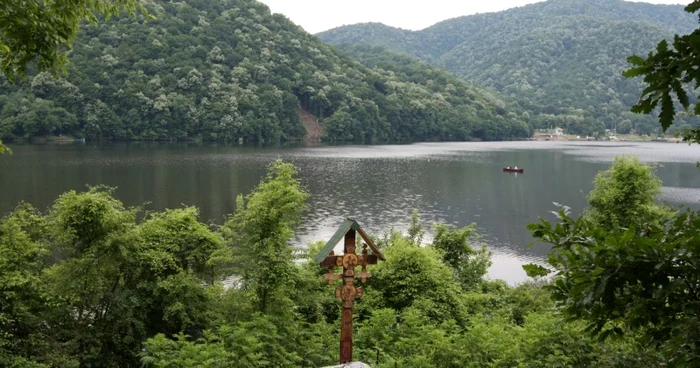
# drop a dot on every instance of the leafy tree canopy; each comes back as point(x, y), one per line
point(627, 266)
point(629, 282)
point(625, 195)
point(261, 229)
point(41, 30)
point(667, 73)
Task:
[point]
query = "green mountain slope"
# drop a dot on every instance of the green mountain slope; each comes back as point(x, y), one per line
point(445, 86)
point(230, 70)
point(562, 59)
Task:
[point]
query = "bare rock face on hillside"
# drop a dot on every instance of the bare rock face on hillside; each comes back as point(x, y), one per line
point(351, 365)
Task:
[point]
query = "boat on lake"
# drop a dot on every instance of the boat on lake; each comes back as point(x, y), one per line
point(513, 170)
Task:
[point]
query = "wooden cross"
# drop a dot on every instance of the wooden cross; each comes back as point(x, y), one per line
point(349, 261)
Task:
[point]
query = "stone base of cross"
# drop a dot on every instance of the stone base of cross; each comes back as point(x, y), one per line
point(351, 365)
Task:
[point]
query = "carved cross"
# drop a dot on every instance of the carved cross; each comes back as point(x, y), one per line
point(348, 292)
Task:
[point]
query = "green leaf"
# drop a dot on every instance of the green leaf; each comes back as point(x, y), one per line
point(681, 94)
point(634, 72)
point(668, 111)
point(693, 7)
point(534, 271)
point(636, 60)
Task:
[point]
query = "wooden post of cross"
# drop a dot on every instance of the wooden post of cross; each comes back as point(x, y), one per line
point(349, 261)
point(347, 293)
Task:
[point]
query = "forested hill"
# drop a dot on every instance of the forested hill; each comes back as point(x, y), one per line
point(413, 70)
point(230, 70)
point(564, 58)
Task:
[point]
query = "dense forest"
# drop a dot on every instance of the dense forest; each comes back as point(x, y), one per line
point(90, 282)
point(231, 70)
point(399, 66)
point(561, 59)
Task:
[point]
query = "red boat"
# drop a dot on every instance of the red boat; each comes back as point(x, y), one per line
point(512, 170)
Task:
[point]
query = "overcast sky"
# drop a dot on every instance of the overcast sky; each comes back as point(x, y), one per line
point(320, 15)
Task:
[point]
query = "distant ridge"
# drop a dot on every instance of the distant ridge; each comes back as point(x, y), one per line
point(560, 57)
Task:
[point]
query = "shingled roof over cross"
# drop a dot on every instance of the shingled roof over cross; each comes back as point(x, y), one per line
point(342, 230)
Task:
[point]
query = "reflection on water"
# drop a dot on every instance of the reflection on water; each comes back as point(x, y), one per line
point(688, 197)
point(456, 183)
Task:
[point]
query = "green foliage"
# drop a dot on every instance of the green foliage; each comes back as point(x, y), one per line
point(415, 276)
point(88, 222)
point(560, 60)
point(41, 30)
point(412, 317)
point(459, 107)
point(625, 195)
point(413, 314)
point(470, 265)
point(94, 283)
point(262, 229)
point(183, 241)
point(415, 230)
point(87, 284)
point(535, 271)
point(20, 286)
point(252, 344)
point(413, 339)
point(231, 70)
point(667, 74)
point(627, 266)
point(622, 281)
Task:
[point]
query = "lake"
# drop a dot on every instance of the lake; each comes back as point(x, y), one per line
point(378, 185)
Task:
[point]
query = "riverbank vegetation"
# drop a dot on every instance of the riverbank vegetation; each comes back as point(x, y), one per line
point(628, 266)
point(90, 282)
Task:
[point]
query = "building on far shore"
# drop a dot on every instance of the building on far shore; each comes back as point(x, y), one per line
point(550, 134)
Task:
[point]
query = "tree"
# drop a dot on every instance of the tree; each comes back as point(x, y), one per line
point(262, 322)
point(88, 283)
point(666, 73)
point(624, 127)
point(119, 282)
point(470, 265)
point(415, 230)
point(415, 276)
point(20, 287)
point(625, 195)
point(41, 30)
point(627, 266)
point(262, 228)
point(628, 282)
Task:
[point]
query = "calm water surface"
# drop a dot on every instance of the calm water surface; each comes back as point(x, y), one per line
point(456, 183)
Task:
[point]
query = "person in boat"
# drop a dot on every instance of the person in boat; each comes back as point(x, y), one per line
point(508, 167)
point(515, 168)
